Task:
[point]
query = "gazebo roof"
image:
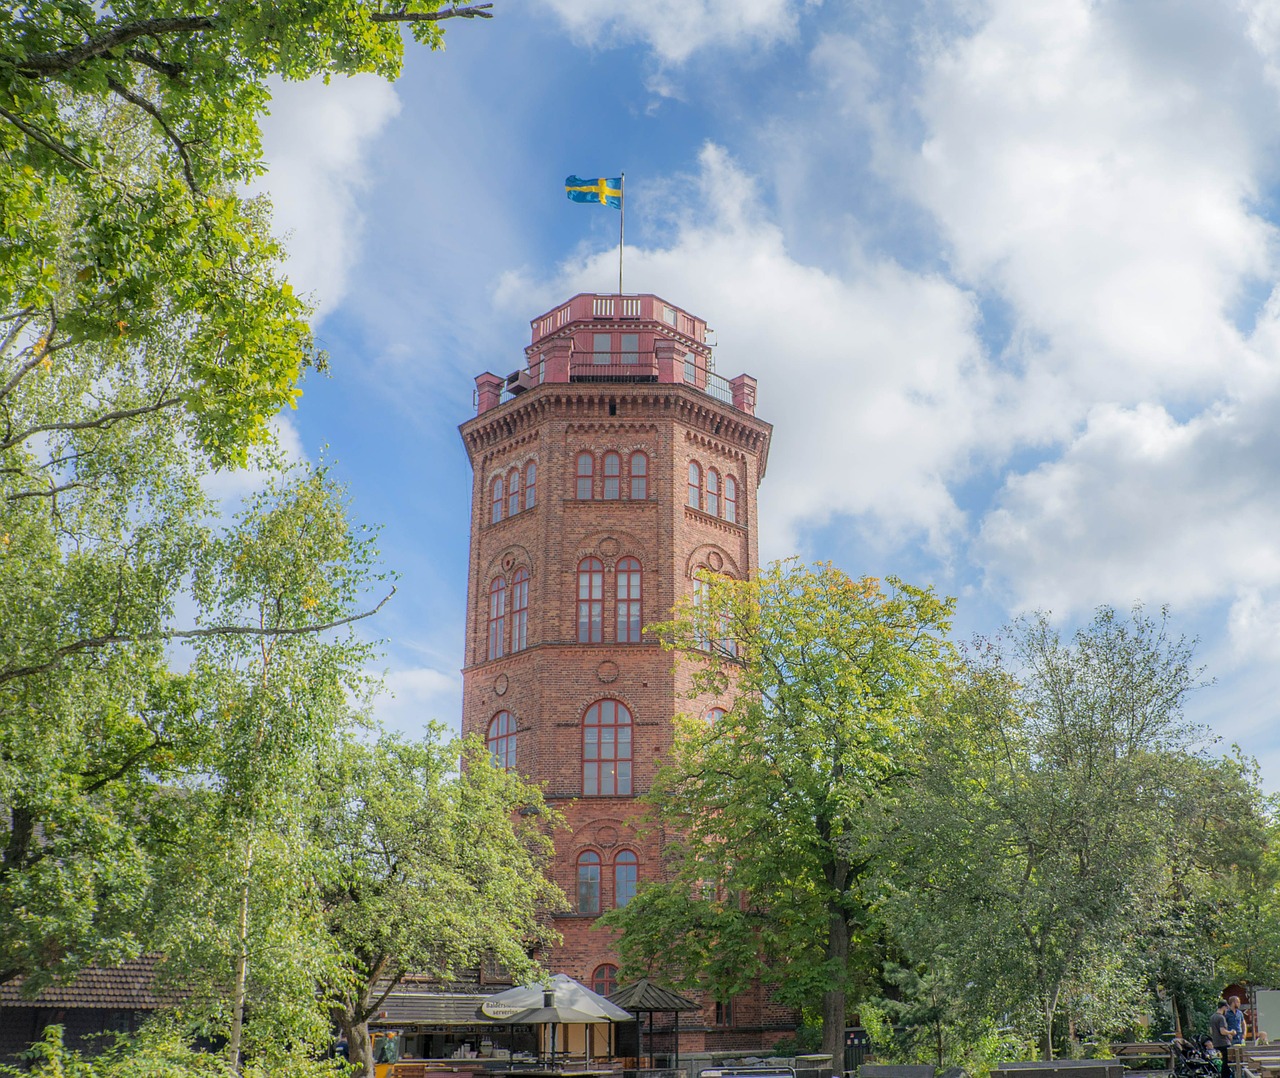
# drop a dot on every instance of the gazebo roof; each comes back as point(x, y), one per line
point(644, 995)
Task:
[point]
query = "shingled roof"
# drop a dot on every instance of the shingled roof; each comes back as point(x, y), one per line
point(127, 987)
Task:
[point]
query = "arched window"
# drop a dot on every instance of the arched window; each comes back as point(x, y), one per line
point(606, 749)
point(626, 871)
point(531, 484)
point(612, 476)
point(495, 500)
point(501, 740)
point(730, 499)
point(604, 981)
point(520, 609)
point(497, 616)
point(586, 471)
point(713, 492)
point(628, 620)
point(714, 714)
point(700, 590)
point(590, 601)
point(694, 499)
point(513, 492)
point(589, 882)
point(639, 477)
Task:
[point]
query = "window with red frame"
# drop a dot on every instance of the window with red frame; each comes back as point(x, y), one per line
point(586, 475)
point(513, 492)
point(694, 498)
point(730, 499)
point(606, 749)
point(714, 714)
point(590, 601)
point(612, 477)
point(626, 873)
point(628, 620)
point(589, 882)
point(639, 477)
point(531, 484)
point(495, 498)
point(497, 617)
point(604, 981)
point(520, 610)
point(713, 492)
point(501, 740)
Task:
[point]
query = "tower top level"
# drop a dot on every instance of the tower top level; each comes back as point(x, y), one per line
point(618, 338)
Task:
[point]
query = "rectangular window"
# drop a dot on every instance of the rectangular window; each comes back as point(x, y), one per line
point(690, 368)
point(669, 316)
point(724, 1012)
point(603, 348)
point(631, 348)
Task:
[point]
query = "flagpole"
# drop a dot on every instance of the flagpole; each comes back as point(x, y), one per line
point(622, 217)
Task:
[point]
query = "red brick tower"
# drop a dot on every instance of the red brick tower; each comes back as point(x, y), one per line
point(608, 471)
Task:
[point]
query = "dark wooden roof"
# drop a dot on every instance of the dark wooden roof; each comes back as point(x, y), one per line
point(127, 987)
point(644, 995)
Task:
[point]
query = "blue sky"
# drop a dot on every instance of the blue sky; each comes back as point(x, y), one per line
point(1006, 272)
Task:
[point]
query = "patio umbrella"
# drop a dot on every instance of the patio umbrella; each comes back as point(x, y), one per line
point(562, 1000)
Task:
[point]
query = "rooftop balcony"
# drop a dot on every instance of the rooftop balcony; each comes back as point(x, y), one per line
point(617, 339)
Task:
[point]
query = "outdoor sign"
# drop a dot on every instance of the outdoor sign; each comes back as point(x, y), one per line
point(500, 1009)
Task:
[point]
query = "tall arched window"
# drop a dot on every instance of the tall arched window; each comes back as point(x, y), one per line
point(604, 981)
point(586, 472)
point(695, 485)
point(531, 484)
point(495, 500)
point(639, 477)
point(714, 715)
point(589, 882)
point(628, 610)
point(713, 492)
point(626, 871)
point(520, 609)
point(612, 476)
point(590, 601)
point(497, 616)
point(501, 740)
point(513, 492)
point(730, 499)
point(606, 749)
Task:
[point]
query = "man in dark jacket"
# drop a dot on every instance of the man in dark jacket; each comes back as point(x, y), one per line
point(1220, 1034)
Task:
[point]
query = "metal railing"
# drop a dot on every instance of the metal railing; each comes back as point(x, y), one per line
point(632, 367)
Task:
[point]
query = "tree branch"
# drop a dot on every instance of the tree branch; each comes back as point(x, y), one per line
point(150, 109)
point(89, 424)
point(108, 639)
point(163, 67)
point(33, 132)
point(474, 11)
point(43, 64)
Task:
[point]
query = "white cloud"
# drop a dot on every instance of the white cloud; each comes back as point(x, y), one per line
point(676, 29)
point(317, 142)
point(876, 382)
point(415, 696)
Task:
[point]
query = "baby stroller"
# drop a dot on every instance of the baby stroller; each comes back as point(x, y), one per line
point(1192, 1061)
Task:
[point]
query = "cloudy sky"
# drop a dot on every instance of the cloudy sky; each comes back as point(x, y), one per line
point(1005, 270)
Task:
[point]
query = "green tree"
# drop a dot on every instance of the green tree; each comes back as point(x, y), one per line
point(1043, 825)
point(437, 862)
point(780, 814)
point(147, 337)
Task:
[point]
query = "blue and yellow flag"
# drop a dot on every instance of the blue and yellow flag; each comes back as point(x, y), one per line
point(603, 192)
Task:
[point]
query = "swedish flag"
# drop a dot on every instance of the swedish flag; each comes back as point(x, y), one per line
point(603, 192)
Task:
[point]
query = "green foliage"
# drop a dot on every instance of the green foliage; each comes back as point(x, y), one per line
point(1051, 827)
point(780, 814)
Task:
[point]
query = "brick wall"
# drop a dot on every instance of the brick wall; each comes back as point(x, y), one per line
point(548, 686)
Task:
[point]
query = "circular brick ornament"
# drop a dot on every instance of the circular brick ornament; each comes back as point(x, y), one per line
point(715, 560)
point(609, 546)
point(607, 836)
point(501, 684)
point(607, 671)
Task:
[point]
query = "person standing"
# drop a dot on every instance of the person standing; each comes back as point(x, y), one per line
point(1235, 1021)
point(1220, 1035)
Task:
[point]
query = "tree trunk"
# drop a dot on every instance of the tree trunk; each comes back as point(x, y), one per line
point(833, 1000)
point(359, 1044)
point(242, 964)
point(1046, 1043)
